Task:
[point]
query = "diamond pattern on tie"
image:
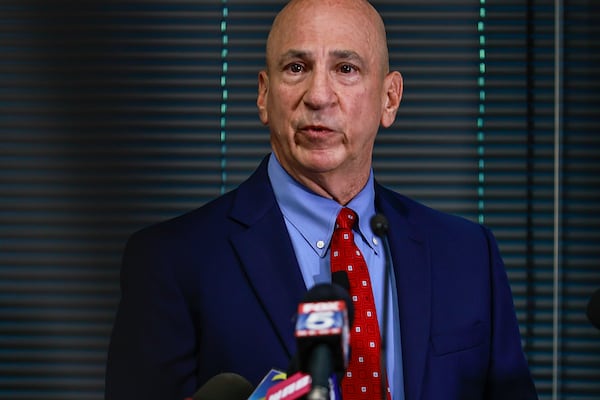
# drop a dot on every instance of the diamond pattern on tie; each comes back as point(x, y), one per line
point(363, 377)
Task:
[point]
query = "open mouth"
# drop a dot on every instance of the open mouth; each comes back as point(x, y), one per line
point(316, 128)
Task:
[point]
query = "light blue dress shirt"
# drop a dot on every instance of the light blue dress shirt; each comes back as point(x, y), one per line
point(310, 220)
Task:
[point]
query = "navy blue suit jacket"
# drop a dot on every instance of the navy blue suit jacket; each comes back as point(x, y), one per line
point(216, 290)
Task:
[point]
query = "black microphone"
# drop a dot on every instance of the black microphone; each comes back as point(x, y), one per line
point(593, 309)
point(225, 386)
point(380, 226)
point(338, 278)
point(322, 335)
point(341, 278)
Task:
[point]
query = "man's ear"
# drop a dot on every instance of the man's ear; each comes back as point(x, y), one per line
point(261, 99)
point(393, 85)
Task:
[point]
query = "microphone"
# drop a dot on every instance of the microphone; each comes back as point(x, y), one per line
point(341, 278)
point(273, 377)
point(593, 309)
point(322, 335)
point(379, 226)
point(224, 386)
point(293, 388)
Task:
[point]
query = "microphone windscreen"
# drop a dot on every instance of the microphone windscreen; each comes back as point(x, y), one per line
point(341, 278)
point(379, 225)
point(225, 386)
point(337, 291)
point(593, 309)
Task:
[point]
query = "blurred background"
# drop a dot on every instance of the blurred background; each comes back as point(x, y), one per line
point(118, 114)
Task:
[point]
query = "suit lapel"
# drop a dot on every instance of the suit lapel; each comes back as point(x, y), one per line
point(267, 256)
point(410, 257)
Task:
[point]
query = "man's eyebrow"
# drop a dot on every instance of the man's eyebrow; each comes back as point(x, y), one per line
point(294, 54)
point(304, 54)
point(346, 55)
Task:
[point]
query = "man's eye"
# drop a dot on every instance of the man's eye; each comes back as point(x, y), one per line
point(295, 68)
point(347, 68)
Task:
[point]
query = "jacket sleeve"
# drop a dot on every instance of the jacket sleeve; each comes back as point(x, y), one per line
point(151, 352)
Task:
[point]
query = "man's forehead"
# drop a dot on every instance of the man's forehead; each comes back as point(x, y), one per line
point(309, 54)
point(326, 30)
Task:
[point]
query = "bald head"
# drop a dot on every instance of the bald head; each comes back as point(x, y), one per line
point(360, 13)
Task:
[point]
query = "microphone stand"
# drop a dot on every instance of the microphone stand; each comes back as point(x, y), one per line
point(379, 226)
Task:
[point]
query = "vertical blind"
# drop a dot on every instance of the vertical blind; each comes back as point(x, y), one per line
point(115, 115)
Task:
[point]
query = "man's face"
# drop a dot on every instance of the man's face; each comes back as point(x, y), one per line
point(325, 90)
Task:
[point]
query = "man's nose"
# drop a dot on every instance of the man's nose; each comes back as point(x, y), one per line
point(320, 91)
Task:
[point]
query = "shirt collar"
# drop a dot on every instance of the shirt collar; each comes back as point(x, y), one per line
point(313, 215)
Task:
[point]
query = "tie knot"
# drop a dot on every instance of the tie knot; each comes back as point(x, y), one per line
point(346, 218)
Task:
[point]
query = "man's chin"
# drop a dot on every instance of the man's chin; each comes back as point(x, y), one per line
point(319, 162)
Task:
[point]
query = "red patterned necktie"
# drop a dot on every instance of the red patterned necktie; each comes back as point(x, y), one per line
point(363, 376)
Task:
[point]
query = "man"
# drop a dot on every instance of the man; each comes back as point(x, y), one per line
point(216, 290)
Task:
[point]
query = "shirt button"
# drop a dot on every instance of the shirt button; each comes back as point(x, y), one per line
point(375, 241)
point(320, 244)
